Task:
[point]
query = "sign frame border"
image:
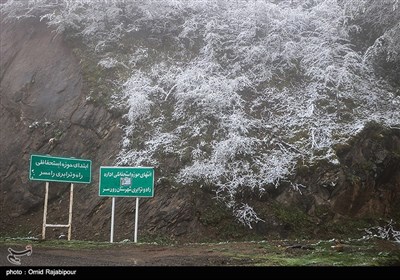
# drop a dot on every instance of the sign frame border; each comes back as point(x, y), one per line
point(124, 167)
point(59, 181)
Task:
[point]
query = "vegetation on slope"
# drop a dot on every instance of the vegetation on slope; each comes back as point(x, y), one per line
point(235, 94)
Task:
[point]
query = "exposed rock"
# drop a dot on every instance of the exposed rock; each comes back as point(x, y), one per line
point(370, 184)
point(366, 184)
point(44, 110)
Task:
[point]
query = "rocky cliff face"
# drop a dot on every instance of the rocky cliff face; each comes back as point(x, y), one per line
point(365, 186)
point(44, 110)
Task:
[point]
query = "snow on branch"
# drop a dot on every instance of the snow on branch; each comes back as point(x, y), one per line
point(246, 215)
point(386, 232)
point(238, 92)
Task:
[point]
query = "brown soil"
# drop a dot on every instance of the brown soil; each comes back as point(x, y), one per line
point(137, 255)
point(271, 253)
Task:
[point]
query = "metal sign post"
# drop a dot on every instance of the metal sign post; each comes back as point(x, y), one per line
point(117, 181)
point(69, 225)
point(71, 199)
point(46, 197)
point(59, 169)
point(112, 220)
point(136, 219)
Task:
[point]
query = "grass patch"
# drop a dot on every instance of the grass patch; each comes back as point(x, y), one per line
point(326, 253)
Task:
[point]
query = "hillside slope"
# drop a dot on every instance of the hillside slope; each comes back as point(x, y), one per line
point(285, 151)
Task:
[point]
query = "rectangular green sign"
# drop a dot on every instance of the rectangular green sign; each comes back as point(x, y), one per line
point(60, 169)
point(126, 181)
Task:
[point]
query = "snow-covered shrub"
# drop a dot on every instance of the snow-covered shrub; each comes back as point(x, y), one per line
point(239, 92)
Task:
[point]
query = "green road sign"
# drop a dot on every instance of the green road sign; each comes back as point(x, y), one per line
point(126, 181)
point(60, 169)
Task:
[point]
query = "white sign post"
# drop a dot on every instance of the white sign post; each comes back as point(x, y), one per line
point(126, 182)
point(112, 220)
point(45, 224)
point(59, 169)
point(136, 219)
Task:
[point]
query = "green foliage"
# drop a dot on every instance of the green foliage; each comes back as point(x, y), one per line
point(95, 81)
point(295, 220)
point(345, 228)
point(322, 253)
point(239, 91)
point(147, 238)
point(219, 220)
point(214, 214)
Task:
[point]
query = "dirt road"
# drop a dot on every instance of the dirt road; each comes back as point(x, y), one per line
point(262, 253)
point(127, 255)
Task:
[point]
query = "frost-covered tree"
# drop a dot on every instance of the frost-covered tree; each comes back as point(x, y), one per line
point(238, 93)
point(378, 34)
